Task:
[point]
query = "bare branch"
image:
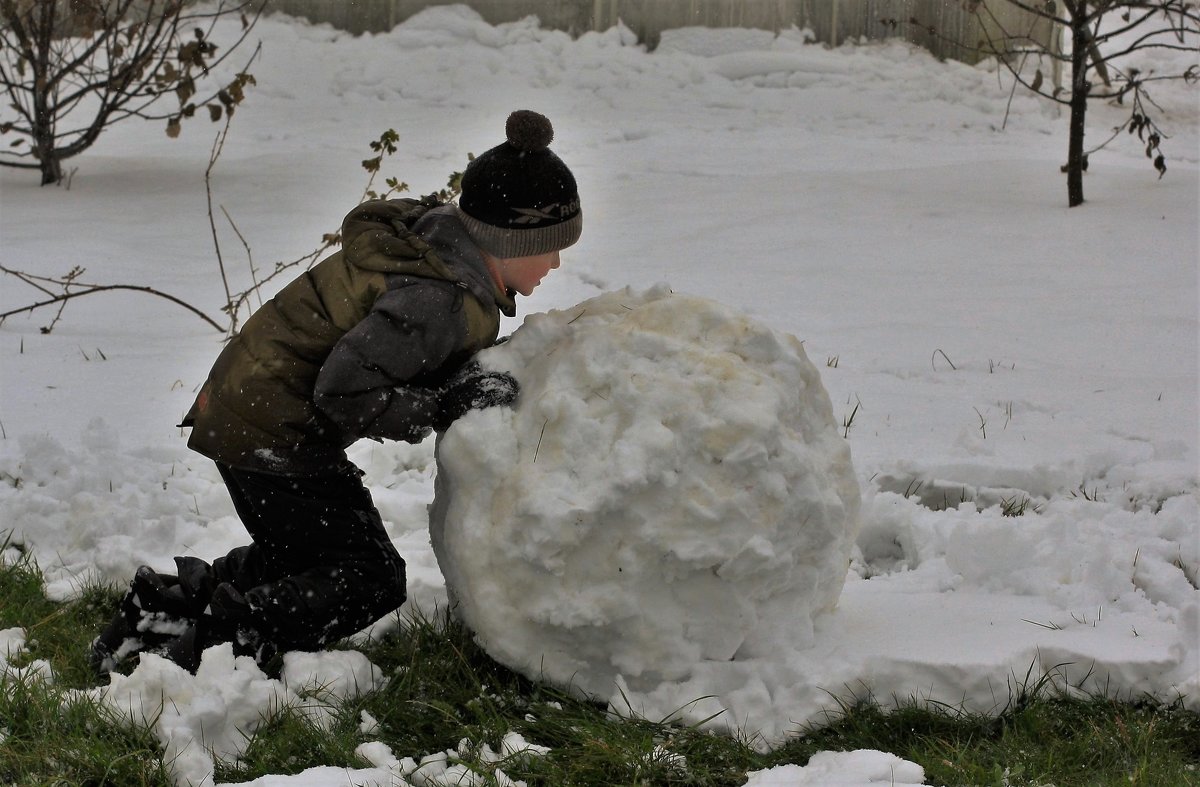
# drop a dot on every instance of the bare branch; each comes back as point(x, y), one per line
point(91, 289)
point(214, 154)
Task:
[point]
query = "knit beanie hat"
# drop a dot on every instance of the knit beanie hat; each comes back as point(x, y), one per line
point(519, 199)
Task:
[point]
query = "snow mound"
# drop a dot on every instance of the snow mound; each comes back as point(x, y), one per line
point(212, 715)
point(859, 768)
point(671, 489)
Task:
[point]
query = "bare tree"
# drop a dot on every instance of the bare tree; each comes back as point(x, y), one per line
point(73, 68)
point(1105, 37)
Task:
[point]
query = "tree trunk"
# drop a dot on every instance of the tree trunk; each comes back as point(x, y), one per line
point(51, 171)
point(43, 144)
point(44, 120)
point(1079, 98)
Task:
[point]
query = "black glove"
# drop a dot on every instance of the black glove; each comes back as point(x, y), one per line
point(472, 388)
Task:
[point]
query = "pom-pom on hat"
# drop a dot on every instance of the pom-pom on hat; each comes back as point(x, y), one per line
point(519, 199)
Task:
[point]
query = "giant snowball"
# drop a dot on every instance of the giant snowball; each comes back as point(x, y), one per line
point(671, 488)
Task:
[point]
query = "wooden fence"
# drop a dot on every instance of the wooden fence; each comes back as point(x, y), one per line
point(948, 28)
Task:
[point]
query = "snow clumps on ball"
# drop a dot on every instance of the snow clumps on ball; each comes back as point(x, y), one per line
point(670, 488)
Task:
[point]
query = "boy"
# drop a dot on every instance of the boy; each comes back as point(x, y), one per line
point(375, 341)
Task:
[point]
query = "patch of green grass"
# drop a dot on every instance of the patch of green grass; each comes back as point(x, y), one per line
point(588, 745)
point(49, 741)
point(49, 735)
point(1042, 738)
point(443, 690)
point(57, 633)
point(289, 742)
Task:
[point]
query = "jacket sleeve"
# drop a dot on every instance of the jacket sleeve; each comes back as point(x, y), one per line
point(367, 385)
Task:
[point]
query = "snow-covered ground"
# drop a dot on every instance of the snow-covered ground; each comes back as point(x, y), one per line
point(988, 347)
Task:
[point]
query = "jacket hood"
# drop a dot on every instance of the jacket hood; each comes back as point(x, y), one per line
point(378, 236)
point(419, 238)
point(449, 240)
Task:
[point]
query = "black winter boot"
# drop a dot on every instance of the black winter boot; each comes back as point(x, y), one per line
point(186, 649)
point(197, 580)
point(115, 643)
point(237, 614)
point(152, 593)
point(228, 618)
point(152, 613)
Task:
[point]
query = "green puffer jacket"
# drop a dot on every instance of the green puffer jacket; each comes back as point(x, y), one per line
point(354, 347)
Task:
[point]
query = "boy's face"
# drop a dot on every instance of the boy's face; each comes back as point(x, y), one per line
point(523, 274)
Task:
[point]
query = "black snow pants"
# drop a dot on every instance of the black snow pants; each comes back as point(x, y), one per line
point(321, 565)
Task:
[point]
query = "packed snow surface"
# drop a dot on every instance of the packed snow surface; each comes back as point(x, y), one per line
point(670, 489)
point(861, 768)
point(987, 351)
